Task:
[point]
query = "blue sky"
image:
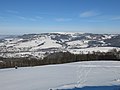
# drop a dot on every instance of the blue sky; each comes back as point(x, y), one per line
point(36, 16)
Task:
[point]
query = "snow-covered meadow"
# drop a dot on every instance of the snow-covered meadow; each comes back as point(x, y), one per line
point(36, 45)
point(92, 75)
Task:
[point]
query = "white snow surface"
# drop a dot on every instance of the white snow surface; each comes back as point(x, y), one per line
point(64, 76)
point(70, 33)
point(48, 43)
point(78, 43)
point(92, 49)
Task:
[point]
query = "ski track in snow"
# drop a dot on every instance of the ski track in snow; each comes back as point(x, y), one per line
point(115, 73)
point(86, 75)
point(83, 73)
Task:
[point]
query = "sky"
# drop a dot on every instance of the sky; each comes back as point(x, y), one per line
point(38, 16)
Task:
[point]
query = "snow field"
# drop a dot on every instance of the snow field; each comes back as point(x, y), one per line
point(63, 76)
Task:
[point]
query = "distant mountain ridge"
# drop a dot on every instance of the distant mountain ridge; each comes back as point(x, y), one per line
point(37, 45)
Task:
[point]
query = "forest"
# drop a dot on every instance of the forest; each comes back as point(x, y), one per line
point(59, 58)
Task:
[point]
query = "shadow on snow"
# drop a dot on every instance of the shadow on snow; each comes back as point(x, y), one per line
point(96, 88)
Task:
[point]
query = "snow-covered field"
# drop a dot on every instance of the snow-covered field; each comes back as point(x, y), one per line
point(40, 45)
point(92, 49)
point(92, 75)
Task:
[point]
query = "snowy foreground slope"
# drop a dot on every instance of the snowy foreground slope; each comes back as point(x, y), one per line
point(92, 75)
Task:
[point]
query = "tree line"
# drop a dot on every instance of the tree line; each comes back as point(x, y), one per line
point(59, 58)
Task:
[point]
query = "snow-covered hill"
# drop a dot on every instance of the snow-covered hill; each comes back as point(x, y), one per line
point(92, 75)
point(37, 45)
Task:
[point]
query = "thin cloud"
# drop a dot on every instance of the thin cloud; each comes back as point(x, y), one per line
point(89, 14)
point(32, 19)
point(22, 17)
point(1, 17)
point(26, 18)
point(63, 19)
point(95, 21)
point(115, 18)
point(38, 17)
point(12, 11)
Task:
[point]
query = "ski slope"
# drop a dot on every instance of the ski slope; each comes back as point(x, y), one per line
point(89, 75)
